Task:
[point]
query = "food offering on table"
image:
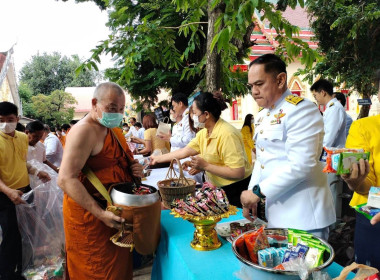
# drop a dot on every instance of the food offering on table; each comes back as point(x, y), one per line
point(204, 209)
point(175, 186)
point(372, 207)
point(285, 251)
point(231, 230)
point(340, 160)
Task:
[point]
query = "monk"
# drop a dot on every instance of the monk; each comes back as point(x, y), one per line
point(92, 142)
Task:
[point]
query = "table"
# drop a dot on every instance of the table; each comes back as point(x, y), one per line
point(175, 259)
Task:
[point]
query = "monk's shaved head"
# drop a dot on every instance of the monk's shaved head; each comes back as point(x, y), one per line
point(105, 88)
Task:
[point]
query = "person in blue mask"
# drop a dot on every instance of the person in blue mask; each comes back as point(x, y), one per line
point(97, 143)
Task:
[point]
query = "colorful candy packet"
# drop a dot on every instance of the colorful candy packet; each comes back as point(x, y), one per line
point(332, 157)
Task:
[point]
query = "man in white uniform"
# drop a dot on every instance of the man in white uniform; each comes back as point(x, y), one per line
point(54, 149)
point(36, 150)
point(182, 134)
point(288, 137)
point(334, 119)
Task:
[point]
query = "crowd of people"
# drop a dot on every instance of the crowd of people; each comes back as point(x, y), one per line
point(271, 168)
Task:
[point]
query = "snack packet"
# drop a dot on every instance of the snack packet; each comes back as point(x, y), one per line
point(256, 241)
point(374, 197)
point(346, 160)
point(332, 157)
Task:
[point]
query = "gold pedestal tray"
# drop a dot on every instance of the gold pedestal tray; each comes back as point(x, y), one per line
point(205, 236)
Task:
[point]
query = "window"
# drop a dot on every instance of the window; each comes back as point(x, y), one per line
point(235, 110)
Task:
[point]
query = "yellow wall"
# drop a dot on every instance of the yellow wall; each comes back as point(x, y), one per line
point(5, 92)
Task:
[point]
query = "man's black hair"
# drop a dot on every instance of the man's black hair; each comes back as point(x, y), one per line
point(20, 127)
point(323, 84)
point(180, 97)
point(138, 125)
point(125, 124)
point(341, 97)
point(72, 122)
point(272, 63)
point(34, 126)
point(8, 108)
point(132, 118)
point(65, 126)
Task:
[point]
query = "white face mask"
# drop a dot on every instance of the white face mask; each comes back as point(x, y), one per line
point(172, 118)
point(252, 121)
point(197, 123)
point(8, 127)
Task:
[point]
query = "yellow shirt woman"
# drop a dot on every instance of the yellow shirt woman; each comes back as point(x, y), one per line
point(365, 134)
point(249, 144)
point(157, 143)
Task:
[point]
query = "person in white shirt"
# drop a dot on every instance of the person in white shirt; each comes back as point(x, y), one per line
point(182, 134)
point(140, 133)
point(334, 120)
point(54, 149)
point(342, 99)
point(36, 150)
point(132, 129)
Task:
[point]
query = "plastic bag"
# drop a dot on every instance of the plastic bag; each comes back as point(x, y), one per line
point(41, 225)
point(34, 180)
point(163, 127)
point(364, 272)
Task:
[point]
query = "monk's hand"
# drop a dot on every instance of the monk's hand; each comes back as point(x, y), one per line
point(15, 196)
point(359, 172)
point(43, 176)
point(198, 163)
point(137, 169)
point(249, 202)
point(111, 220)
point(375, 219)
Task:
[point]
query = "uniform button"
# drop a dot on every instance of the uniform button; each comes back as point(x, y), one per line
point(262, 149)
point(261, 131)
point(262, 166)
point(268, 114)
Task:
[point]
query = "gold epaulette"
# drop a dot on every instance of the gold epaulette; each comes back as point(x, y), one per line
point(294, 99)
point(261, 108)
point(332, 104)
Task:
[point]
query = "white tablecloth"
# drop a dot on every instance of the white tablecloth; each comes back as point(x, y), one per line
point(155, 176)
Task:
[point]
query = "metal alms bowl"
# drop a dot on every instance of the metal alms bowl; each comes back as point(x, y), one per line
point(328, 256)
point(121, 194)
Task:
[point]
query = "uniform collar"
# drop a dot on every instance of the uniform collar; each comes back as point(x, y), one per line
point(216, 129)
point(279, 101)
point(186, 112)
point(331, 101)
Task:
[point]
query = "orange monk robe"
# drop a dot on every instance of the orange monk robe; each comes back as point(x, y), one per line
point(90, 255)
point(62, 139)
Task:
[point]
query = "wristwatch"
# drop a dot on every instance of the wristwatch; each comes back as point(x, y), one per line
point(256, 190)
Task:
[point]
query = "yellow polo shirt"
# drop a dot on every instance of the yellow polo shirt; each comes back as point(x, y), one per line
point(13, 153)
point(365, 134)
point(224, 147)
point(156, 143)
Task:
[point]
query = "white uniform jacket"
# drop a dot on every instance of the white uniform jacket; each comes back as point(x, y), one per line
point(181, 134)
point(288, 140)
point(334, 119)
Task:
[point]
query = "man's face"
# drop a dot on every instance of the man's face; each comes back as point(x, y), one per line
point(9, 119)
point(132, 122)
point(34, 137)
point(319, 97)
point(178, 108)
point(266, 88)
point(110, 102)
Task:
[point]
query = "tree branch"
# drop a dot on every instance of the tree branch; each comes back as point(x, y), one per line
point(187, 24)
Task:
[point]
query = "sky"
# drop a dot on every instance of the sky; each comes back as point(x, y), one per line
point(50, 25)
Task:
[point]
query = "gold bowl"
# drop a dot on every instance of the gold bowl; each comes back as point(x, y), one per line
point(205, 236)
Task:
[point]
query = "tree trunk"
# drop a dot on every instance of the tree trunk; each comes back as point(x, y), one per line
point(213, 61)
point(364, 110)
